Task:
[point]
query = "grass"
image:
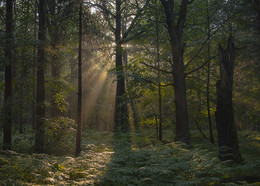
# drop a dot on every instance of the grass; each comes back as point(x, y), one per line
point(135, 159)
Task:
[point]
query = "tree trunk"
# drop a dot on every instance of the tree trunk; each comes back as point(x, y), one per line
point(121, 113)
point(159, 77)
point(21, 119)
point(7, 143)
point(130, 97)
point(176, 32)
point(78, 137)
point(158, 74)
point(227, 131)
point(34, 70)
point(40, 89)
point(181, 112)
point(208, 77)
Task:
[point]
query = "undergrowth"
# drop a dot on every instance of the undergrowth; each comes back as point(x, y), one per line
point(135, 159)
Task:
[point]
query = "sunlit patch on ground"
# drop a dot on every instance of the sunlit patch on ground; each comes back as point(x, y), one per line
point(43, 169)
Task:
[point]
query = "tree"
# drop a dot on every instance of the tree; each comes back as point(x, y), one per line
point(121, 113)
point(133, 107)
point(40, 89)
point(208, 75)
point(78, 137)
point(175, 30)
point(114, 20)
point(7, 143)
point(227, 131)
point(34, 68)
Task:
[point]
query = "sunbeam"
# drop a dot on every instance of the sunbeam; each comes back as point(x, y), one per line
point(90, 102)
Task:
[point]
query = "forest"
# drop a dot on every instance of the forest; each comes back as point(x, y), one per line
point(128, 92)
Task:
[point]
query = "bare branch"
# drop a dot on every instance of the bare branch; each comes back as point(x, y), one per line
point(156, 84)
point(156, 68)
point(190, 2)
point(198, 127)
point(106, 13)
point(203, 44)
point(102, 8)
point(125, 40)
point(198, 68)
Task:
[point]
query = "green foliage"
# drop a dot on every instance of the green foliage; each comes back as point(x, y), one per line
point(61, 89)
point(60, 135)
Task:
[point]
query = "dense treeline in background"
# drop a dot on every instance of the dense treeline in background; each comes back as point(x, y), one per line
point(130, 76)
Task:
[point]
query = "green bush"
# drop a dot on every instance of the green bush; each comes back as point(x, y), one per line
point(60, 135)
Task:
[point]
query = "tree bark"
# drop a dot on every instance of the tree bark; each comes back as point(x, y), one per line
point(121, 114)
point(125, 63)
point(7, 143)
point(40, 89)
point(176, 32)
point(78, 137)
point(208, 77)
point(227, 130)
point(159, 76)
point(21, 119)
point(34, 70)
point(131, 99)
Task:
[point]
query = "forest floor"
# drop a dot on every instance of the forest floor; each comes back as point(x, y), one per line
point(135, 159)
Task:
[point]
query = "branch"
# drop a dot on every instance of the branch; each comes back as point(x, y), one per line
point(133, 23)
point(166, 85)
point(156, 84)
point(110, 24)
point(106, 13)
point(254, 60)
point(198, 127)
point(153, 67)
point(125, 40)
point(164, 3)
point(196, 69)
point(203, 44)
point(102, 8)
point(149, 81)
point(2, 18)
point(190, 2)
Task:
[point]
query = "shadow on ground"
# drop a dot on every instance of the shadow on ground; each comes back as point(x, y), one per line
point(131, 165)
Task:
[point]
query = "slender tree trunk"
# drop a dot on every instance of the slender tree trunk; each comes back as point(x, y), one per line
point(78, 137)
point(176, 32)
point(131, 99)
point(21, 121)
point(7, 143)
point(121, 113)
point(227, 130)
point(34, 70)
point(159, 76)
point(40, 89)
point(160, 111)
point(208, 76)
point(125, 63)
